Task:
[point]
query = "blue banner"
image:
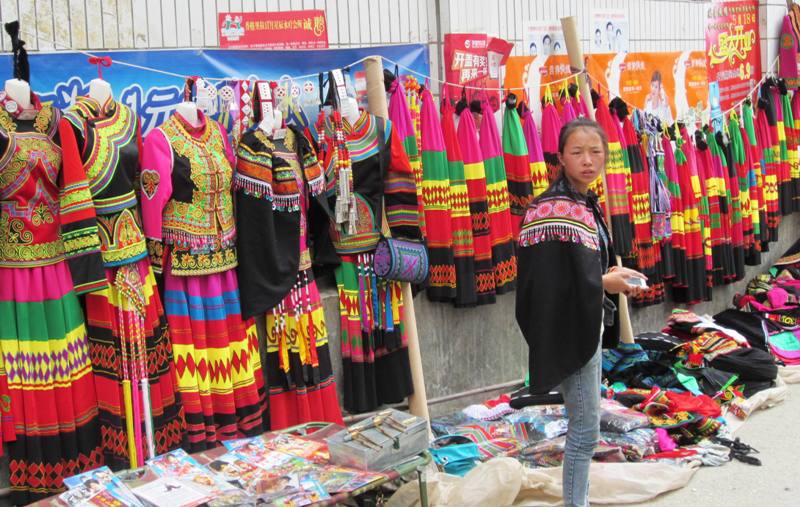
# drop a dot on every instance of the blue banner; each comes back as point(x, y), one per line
point(60, 77)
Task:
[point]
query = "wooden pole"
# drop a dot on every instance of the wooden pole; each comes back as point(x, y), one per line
point(417, 402)
point(570, 28)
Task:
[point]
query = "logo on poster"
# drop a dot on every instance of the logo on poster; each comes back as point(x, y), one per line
point(232, 28)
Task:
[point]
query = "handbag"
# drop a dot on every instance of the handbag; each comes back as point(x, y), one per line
point(401, 260)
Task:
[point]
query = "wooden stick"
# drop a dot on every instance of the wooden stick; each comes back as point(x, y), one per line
point(126, 395)
point(570, 28)
point(417, 402)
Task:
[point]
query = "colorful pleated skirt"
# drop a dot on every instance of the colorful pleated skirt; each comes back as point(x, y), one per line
point(50, 417)
point(299, 372)
point(375, 364)
point(217, 359)
point(118, 318)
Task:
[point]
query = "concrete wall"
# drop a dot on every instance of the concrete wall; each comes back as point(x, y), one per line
point(466, 349)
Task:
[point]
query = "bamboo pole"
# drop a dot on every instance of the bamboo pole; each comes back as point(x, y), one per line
point(417, 402)
point(570, 28)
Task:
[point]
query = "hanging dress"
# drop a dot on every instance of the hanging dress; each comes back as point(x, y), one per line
point(475, 174)
point(49, 249)
point(463, 244)
point(538, 169)
point(366, 167)
point(617, 182)
point(125, 321)
point(279, 203)
point(187, 212)
point(756, 178)
point(504, 260)
point(438, 206)
point(517, 163)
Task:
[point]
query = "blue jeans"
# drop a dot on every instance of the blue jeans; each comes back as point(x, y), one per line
point(581, 392)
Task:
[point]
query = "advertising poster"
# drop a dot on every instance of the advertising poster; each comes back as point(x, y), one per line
point(670, 85)
point(153, 95)
point(273, 30)
point(610, 31)
point(543, 38)
point(473, 60)
point(733, 50)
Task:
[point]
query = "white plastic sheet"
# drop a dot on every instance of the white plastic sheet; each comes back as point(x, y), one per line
point(504, 482)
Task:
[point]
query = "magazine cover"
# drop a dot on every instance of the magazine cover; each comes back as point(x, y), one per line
point(308, 491)
point(298, 446)
point(275, 462)
point(172, 492)
point(101, 479)
point(335, 479)
point(186, 470)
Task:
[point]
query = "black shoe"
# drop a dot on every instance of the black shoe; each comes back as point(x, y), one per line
point(523, 398)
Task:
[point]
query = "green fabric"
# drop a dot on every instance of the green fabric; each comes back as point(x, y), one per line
point(41, 320)
point(785, 341)
point(513, 138)
point(689, 382)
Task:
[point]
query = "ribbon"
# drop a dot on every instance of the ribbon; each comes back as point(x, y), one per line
point(100, 61)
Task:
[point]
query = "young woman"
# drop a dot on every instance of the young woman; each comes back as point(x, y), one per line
point(566, 274)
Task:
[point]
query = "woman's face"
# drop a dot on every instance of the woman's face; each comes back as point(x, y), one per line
point(584, 157)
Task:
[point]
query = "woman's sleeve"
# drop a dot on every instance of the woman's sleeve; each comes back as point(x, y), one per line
point(78, 219)
point(155, 182)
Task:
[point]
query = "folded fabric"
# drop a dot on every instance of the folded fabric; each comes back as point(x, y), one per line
point(623, 357)
point(701, 405)
point(750, 325)
point(750, 364)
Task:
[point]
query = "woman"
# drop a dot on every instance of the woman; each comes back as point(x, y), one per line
point(565, 271)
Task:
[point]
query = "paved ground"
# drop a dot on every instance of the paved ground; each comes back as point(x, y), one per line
point(776, 433)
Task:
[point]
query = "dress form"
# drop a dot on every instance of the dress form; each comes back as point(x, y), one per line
point(100, 90)
point(20, 92)
point(188, 110)
point(350, 110)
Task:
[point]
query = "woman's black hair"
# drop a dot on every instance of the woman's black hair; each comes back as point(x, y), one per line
point(656, 76)
point(577, 124)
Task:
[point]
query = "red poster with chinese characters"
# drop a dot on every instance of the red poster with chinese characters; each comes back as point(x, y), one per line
point(474, 60)
point(733, 50)
point(273, 30)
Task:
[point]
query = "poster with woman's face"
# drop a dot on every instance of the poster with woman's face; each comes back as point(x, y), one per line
point(610, 31)
point(544, 38)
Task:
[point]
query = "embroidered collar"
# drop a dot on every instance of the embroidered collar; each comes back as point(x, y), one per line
point(95, 110)
point(13, 108)
point(190, 129)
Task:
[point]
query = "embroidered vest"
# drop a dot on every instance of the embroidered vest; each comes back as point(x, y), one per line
point(111, 161)
point(198, 218)
point(29, 193)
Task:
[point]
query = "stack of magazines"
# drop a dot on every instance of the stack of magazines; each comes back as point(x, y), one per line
point(272, 469)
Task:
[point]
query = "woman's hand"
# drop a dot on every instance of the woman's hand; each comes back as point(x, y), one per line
point(616, 281)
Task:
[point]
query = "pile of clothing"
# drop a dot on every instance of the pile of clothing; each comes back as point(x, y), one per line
point(670, 396)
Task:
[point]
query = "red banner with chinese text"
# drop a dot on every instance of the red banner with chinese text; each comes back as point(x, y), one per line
point(273, 30)
point(733, 50)
point(473, 60)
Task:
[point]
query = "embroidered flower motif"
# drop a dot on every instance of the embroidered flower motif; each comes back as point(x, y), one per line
point(149, 182)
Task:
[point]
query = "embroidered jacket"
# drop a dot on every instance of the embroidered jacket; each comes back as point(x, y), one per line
point(563, 255)
point(108, 137)
point(186, 197)
point(269, 220)
point(46, 212)
point(381, 174)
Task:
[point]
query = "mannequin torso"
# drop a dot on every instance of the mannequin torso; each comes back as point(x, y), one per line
point(189, 112)
point(100, 90)
point(20, 92)
point(350, 110)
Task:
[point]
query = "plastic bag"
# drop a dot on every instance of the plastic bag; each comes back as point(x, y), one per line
point(616, 417)
point(634, 445)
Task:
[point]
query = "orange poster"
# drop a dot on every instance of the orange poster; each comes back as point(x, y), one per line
point(668, 85)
